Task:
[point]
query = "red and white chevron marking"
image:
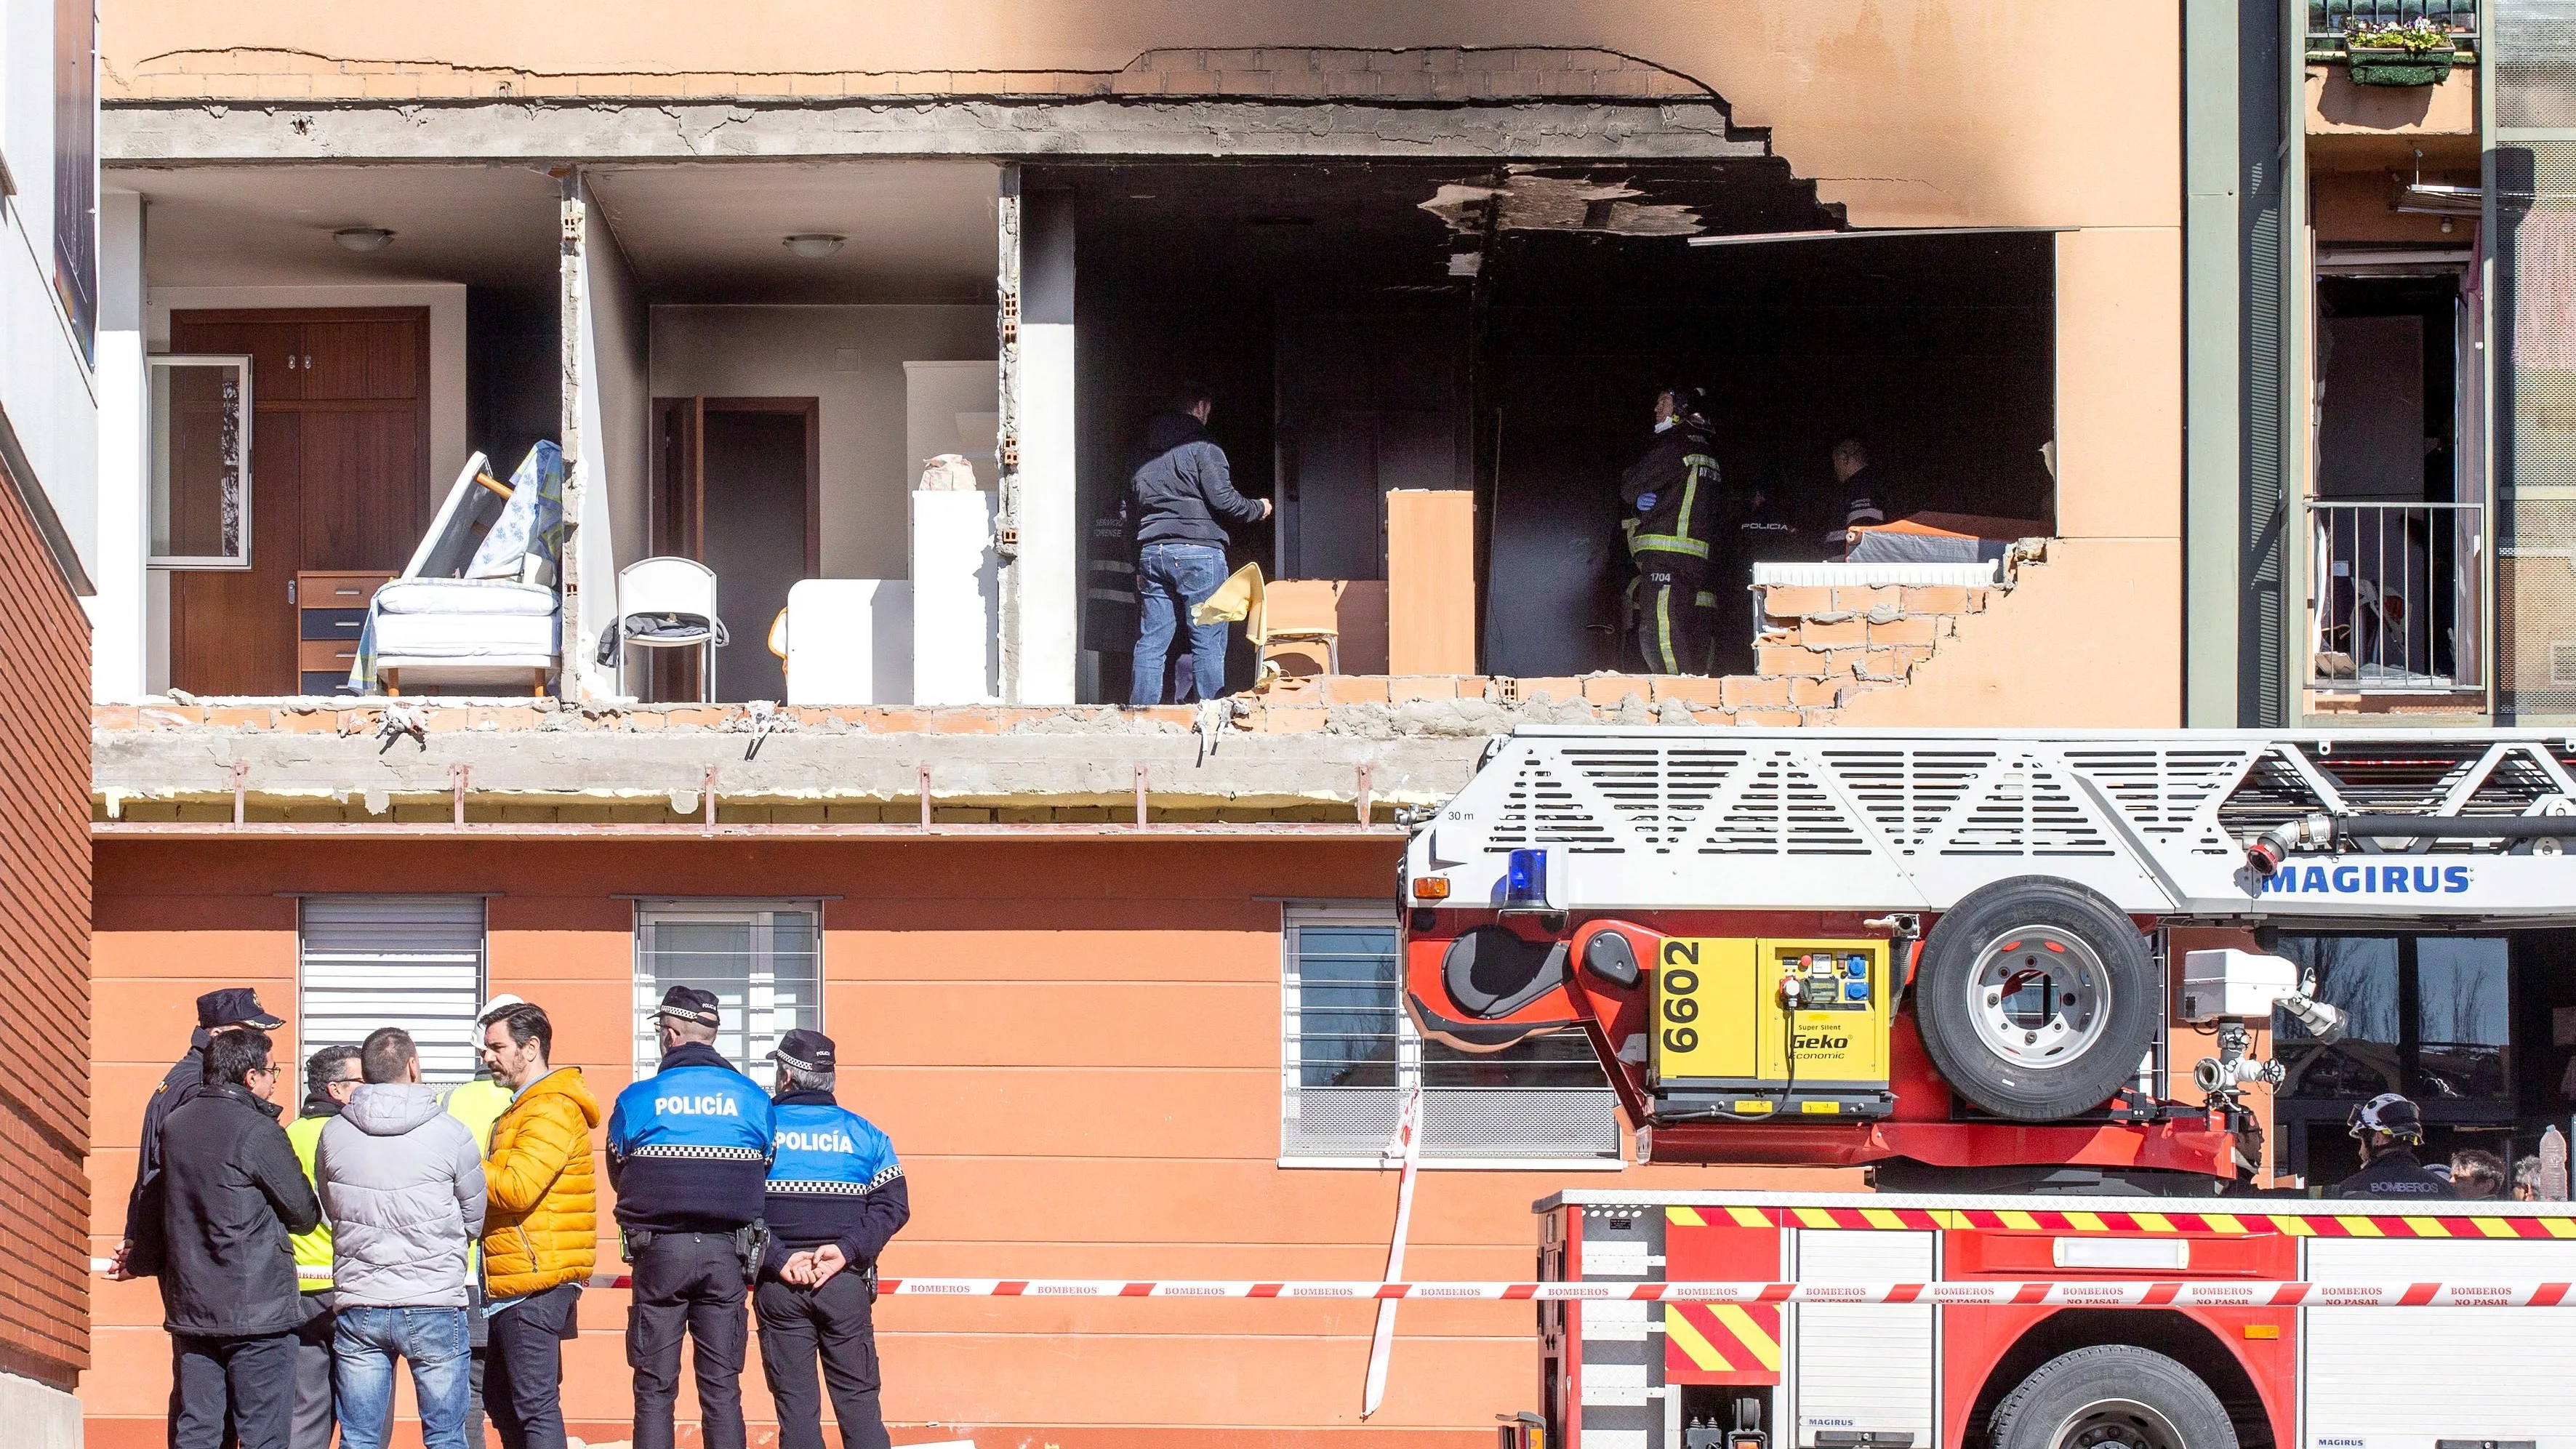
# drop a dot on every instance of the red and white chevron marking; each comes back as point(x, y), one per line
point(2058, 1293)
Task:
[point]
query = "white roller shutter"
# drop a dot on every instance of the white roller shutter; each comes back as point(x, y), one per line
point(415, 962)
point(1863, 1366)
point(2409, 1378)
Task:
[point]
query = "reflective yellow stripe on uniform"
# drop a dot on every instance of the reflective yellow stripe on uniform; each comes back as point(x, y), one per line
point(1669, 543)
point(1664, 629)
point(1692, 464)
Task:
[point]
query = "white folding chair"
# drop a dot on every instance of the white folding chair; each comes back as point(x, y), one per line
point(679, 589)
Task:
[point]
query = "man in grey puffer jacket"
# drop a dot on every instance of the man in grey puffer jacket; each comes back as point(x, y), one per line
point(402, 1183)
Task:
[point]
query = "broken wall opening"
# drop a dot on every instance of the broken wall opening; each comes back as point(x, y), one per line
point(1366, 327)
point(811, 333)
point(395, 319)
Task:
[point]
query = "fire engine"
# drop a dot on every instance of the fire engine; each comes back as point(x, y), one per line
point(1897, 1365)
point(1942, 955)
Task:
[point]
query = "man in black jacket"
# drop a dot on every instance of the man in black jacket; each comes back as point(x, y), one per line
point(215, 1231)
point(1181, 496)
point(2389, 1130)
point(234, 1008)
point(1671, 492)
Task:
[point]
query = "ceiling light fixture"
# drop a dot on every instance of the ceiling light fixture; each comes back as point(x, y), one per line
point(813, 246)
point(363, 238)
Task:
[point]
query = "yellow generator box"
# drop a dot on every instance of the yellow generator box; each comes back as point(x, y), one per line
point(1765, 1026)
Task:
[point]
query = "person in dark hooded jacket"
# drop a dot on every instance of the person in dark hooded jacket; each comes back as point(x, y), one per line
point(216, 1225)
point(1181, 496)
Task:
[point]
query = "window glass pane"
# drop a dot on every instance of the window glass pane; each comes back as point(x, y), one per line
point(2463, 1014)
point(2356, 975)
point(764, 967)
point(1562, 1060)
point(1346, 1006)
point(1351, 1050)
point(200, 477)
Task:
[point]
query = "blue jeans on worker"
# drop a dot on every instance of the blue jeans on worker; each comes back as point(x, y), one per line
point(364, 1347)
point(1172, 578)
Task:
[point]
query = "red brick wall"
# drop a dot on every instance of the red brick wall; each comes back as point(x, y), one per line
point(44, 962)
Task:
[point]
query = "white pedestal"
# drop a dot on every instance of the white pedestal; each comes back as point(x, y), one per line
point(955, 599)
point(849, 641)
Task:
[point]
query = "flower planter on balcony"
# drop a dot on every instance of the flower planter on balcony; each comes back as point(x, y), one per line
point(2390, 65)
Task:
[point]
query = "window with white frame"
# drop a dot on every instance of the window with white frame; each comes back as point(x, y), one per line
point(762, 959)
point(1351, 1051)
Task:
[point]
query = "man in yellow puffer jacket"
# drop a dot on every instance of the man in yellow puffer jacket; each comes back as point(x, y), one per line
point(540, 1226)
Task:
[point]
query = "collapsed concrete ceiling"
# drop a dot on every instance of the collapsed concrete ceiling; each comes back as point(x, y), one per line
point(1529, 200)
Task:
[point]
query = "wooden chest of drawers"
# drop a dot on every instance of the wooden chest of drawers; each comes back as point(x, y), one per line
point(330, 612)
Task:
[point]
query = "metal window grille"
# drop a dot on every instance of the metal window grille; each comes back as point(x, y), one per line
point(2396, 595)
point(763, 960)
point(1351, 1052)
point(415, 962)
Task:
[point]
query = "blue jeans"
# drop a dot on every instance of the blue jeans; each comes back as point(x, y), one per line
point(365, 1346)
point(1170, 579)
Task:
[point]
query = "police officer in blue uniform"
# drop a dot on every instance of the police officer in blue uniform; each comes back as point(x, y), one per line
point(836, 1194)
point(688, 1156)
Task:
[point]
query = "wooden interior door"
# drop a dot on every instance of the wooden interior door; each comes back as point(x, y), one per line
point(339, 474)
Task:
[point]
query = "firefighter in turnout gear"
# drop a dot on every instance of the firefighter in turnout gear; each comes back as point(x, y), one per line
point(836, 1194)
point(688, 1155)
point(1672, 499)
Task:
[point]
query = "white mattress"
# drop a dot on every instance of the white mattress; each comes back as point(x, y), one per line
point(463, 636)
point(482, 598)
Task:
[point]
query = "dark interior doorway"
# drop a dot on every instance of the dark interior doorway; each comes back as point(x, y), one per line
point(738, 487)
point(1361, 330)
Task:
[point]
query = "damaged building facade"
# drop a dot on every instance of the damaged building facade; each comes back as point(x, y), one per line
point(1120, 981)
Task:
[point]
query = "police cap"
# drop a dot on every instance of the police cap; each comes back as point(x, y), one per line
point(807, 1051)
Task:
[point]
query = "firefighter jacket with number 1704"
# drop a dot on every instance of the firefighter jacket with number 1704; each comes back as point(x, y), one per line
point(688, 1147)
point(1673, 492)
point(835, 1180)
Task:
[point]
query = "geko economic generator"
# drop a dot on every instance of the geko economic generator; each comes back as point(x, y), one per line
point(1942, 951)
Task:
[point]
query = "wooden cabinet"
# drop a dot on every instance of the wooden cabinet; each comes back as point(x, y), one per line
point(339, 479)
point(330, 613)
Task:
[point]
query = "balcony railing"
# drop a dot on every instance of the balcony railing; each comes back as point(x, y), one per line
point(2394, 596)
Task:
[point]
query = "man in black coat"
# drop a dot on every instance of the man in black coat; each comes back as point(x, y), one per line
point(2389, 1130)
point(234, 1008)
point(1182, 496)
point(215, 1228)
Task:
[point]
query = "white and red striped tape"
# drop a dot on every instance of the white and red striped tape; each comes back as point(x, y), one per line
point(2058, 1293)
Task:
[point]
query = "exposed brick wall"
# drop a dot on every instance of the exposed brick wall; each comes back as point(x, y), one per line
point(1433, 73)
point(44, 962)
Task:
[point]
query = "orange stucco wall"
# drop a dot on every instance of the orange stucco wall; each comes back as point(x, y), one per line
point(1076, 1046)
point(1916, 112)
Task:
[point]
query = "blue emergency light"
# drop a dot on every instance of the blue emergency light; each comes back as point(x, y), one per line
point(1525, 879)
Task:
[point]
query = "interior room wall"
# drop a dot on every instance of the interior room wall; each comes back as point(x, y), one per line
point(514, 371)
point(609, 420)
point(850, 359)
point(620, 333)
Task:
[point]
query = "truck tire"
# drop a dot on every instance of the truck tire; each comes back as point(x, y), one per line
point(2036, 999)
point(2112, 1396)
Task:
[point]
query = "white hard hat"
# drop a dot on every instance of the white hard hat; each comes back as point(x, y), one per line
point(497, 1005)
